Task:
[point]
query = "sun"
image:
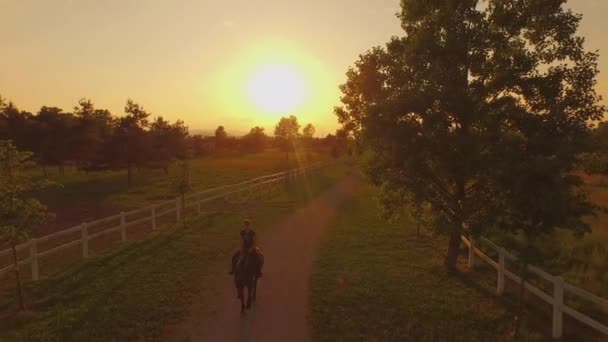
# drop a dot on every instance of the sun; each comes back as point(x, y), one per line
point(277, 88)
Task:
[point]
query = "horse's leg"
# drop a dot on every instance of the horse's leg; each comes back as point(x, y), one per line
point(255, 288)
point(241, 297)
point(249, 288)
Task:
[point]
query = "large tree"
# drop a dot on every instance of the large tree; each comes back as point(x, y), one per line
point(479, 111)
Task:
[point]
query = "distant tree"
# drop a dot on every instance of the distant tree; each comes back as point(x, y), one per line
point(18, 212)
point(178, 142)
point(94, 130)
point(307, 136)
point(480, 111)
point(160, 136)
point(329, 140)
point(168, 142)
point(255, 140)
point(342, 143)
point(130, 144)
point(197, 146)
point(286, 133)
point(3, 122)
point(309, 131)
point(220, 137)
point(595, 161)
point(55, 136)
point(16, 126)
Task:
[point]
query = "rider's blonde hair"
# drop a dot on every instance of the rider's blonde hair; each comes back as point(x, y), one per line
point(247, 222)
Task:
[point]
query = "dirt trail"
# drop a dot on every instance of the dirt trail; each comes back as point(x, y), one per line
point(280, 313)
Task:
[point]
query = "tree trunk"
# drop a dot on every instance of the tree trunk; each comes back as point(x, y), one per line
point(129, 174)
point(453, 249)
point(18, 278)
point(183, 199)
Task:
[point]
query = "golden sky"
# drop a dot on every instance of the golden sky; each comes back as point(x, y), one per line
point(204, 61)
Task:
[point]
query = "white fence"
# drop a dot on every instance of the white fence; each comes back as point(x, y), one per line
point(555, 299)
point(120, 223)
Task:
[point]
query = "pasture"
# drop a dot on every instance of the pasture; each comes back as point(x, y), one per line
point(379, 281)
point(581, 260)
point(131, 292)
point(86, 197)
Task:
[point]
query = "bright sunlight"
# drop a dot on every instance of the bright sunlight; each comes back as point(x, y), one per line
point(277, 88)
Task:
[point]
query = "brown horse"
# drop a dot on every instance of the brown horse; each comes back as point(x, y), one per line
point(246, 274)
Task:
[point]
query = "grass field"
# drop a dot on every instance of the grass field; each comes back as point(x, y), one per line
point(376, 281)
point(589, 253)
point(581, 260)
point(133, 291)
point(86, 197)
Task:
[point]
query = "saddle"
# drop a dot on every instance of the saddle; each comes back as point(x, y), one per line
point(238, 260)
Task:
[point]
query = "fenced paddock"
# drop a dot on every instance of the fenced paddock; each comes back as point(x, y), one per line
point(48, 253)
point(563, 297)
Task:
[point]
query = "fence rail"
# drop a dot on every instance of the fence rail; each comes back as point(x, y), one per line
point(124, 220)
point(555, 299)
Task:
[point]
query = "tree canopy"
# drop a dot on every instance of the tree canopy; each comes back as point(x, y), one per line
point(286, 132)
point(309, 131)
point(255, 140)
point(480, 111)
point(19, 213)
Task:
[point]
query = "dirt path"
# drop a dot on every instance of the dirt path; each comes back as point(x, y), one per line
point(280, 313)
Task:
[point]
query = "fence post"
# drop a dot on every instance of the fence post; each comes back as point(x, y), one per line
point(199, 210)
point(178, 210)
point(501, 271)
point(34, 259)
point(123, 228)
point(471, 252)
point(153, 217)
point(558, 302)
point(85, 240)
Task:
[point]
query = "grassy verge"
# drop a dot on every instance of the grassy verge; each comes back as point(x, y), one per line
point(132, 292)
point(376, 281)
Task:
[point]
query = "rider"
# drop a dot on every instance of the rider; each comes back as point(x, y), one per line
point(247, 245)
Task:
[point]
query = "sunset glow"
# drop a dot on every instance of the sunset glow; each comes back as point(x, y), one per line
point(216, 64)
point(277, 89)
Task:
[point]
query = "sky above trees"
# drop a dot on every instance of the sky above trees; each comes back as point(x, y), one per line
point(194, 60)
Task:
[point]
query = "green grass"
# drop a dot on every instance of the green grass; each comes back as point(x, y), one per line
point(110, 188)
point(581, 260)
point(133, 291)
point(377, 281)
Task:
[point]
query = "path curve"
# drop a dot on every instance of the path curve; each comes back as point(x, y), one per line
point(280, 313)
